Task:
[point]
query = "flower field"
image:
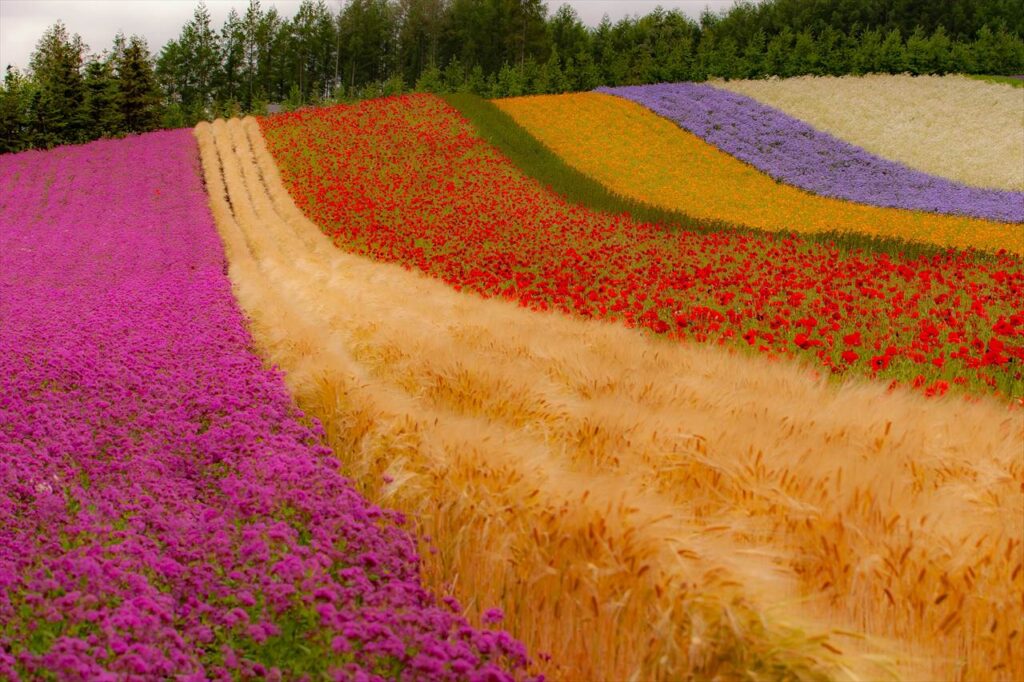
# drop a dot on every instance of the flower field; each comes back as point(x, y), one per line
point(930, 123)
point(794, 152)
point(405, 180)
point(638, 507)
point(550, 388)
point(165, 511)
point(677, 170)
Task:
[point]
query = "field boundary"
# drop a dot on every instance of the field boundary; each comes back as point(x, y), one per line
point(508, 438)
point(539, 162)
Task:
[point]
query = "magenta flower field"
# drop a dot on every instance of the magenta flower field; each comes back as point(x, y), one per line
point(165, 512)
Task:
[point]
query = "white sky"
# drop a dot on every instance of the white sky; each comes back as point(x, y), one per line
point(22, 22)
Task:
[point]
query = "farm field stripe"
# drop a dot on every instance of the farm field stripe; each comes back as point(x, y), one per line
point(634, 151)
point(165, 513)
point(407, 180)
point(793, 152)
point(954, 126)
point(471, 460)
point(539, 162)
point(561, 418)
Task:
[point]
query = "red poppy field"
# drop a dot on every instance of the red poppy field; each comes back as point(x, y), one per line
point(406, 180)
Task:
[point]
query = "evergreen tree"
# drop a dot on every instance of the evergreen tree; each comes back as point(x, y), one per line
point(777, 59)
point(454, 76)
point(586, 73)
point(102, 105)
point(866, 56)
point(367, 39)
point(476, 81)
point(940, 49)
point(533, 77)
point(252, 23)
point(231, 48)
point(525, 24)
point(557, 81)
point(431, 80)
point(804, 58)
point(754, 56)
point(833, 52)
point(15, 96)
point(137, 92)
point(672, 37)
point(566, 33)
point(187, 67)
point(419, 36)
point(721, 58)
point(314, 44)
point(56, 112)
point(509, 82)
point(919, 54)
point(891, 54)
point(997, 52)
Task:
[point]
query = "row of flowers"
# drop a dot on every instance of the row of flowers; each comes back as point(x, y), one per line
point(407, 180)
point(165, 511)
point(794, 152)
point(636, 153)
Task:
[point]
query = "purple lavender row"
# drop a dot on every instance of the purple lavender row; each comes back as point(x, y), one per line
point(796, 153)
point(164, 511)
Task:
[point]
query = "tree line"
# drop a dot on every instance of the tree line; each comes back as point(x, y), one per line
point(494, 48)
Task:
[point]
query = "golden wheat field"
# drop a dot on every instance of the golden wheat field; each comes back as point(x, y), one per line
point(931, 123)
point(640, 509)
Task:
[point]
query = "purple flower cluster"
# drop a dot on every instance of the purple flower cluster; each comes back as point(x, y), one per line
point(796, 153)
point(165, 511)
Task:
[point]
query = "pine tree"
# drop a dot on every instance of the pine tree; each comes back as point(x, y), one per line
point(15, 96)
point(558, 82)
point(454, 75)
point(509, 82)
point(777, 61)
point(57, 114)
point(187, 67)
point(102, 99)
point(138, 96)
point(833, 52)
point(804, 59)
point(920, 59)
point(476, 82)
point(941, 49)
point(867, 53)
point(754, 55)
point(892, 55)
point(431, 80)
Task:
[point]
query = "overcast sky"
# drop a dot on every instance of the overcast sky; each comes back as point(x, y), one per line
point(22, 22)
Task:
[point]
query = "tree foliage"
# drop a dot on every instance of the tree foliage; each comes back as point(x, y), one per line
point(333, 50)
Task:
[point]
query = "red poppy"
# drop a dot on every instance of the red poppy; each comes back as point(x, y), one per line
point(407, 180)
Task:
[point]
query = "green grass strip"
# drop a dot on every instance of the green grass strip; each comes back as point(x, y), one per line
point(1008, 80)
point(539, 162)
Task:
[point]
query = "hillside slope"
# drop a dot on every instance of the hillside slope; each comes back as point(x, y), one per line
point(640, 508)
